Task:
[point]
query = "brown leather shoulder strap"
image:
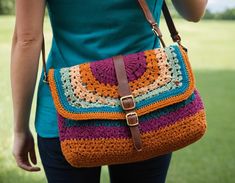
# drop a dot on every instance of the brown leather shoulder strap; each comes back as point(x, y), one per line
point(149, 17)
point(44, 60)
point(155, 27)
point(170, 24)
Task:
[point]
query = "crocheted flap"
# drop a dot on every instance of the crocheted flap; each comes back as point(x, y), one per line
point(157, 78)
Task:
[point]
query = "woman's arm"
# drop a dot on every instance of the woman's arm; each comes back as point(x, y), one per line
point(191, 10)
point(26, 46)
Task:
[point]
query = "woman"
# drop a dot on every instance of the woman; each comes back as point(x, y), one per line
point(82, 31)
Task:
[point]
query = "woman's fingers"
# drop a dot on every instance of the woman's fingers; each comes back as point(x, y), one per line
point(29, 168)
point(32, 155)
point(24, 151)
point(23, 162)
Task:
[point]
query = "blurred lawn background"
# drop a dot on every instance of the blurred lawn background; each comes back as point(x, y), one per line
point(211, 47)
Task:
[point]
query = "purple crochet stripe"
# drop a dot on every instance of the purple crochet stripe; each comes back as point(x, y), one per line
point(104, 70)
point(89, 132)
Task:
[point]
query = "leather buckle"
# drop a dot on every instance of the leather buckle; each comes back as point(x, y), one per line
point(132, 119)
point(127, 105)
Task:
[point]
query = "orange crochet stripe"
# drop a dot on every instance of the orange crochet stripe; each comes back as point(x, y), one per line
point(154, 143)
point(120, 115)
point(175, 99)
point(75, 116)
point(156, 80)
point(102, 89)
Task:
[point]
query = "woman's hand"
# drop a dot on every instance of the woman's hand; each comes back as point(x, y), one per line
point(24, 151)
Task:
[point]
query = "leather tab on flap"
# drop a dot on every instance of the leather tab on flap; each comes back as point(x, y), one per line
point(127, 101)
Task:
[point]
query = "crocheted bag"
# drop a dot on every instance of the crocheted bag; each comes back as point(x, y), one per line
point(128, 108)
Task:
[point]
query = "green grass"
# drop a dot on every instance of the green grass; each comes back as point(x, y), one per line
point(212, 54)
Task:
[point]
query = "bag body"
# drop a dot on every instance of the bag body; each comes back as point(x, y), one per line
point(127, 108)
point(170, 110)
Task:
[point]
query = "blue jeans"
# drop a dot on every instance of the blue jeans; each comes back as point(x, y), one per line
point(58, 170)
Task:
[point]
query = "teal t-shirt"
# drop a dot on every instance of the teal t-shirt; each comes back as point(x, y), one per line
point(87, 31)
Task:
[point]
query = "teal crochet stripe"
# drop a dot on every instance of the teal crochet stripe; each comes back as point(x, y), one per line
point(117, 123)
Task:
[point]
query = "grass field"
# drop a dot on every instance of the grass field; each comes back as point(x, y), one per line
point(211, 47)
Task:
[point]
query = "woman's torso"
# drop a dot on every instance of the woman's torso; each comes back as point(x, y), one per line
point(88, 31)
